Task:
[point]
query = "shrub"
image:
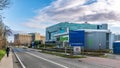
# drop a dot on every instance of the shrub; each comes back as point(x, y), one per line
point(93, 53)
point(2, 53)
point(98, 51)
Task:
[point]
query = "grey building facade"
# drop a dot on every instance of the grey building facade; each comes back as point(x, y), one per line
point(96, 40)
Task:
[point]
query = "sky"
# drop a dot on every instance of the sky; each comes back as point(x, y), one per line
point(35, 15)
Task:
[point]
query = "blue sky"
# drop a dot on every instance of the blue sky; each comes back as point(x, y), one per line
point(35, 15)
point(22, 10)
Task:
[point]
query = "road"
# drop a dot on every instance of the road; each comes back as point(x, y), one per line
point(31, 58)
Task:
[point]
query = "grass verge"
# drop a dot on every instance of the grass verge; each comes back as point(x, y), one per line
point(63, 55)
point(104, 56)
point(2, 53)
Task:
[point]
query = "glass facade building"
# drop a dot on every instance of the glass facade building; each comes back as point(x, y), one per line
point(64, 27)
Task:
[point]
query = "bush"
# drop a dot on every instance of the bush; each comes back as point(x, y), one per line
point(63, 55)
point(2, 53)
point(98, 51)
point(93, 53)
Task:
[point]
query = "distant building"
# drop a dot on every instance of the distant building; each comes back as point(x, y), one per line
point(27, 39)
point(38, 37)
point(22, 39)
point(66, 26)
point(42, 38)
point(116, 37)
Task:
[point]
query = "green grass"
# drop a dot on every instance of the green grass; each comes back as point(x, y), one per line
point(63, 55)
point(2, 53)
point(104, 56)
point(93, 54)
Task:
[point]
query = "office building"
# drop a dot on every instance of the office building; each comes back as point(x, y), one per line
point(66, 26)
point(97, 36)
point(93, 39)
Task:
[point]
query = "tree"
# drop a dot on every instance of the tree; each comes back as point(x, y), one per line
point(4, 4)
point(4, 30)
point(7, 31)
point(1, 34)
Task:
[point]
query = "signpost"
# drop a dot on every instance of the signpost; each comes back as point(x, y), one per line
point(76, 40)
point(64, 39)
point(77, 49)
point(33, 45)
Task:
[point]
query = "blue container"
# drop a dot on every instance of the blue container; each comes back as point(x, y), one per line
point(116, 47)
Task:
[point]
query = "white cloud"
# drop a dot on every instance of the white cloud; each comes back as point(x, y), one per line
point(76, 11)
point(35, 25)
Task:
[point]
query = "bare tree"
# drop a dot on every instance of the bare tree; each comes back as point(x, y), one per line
point(5, 31)
point(4, 4)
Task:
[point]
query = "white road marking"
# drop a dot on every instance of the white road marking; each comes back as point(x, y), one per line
point(48, 60)
point(23, 66)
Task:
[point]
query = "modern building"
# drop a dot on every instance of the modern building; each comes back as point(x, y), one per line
point(93, 39)
point(97, 36)
point(66, 26)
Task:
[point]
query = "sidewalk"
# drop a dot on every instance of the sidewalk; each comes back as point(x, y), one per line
point(109, 63)
point(7, 62)
point(113, 56)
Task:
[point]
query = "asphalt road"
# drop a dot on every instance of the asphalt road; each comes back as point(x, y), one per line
point(31, 58)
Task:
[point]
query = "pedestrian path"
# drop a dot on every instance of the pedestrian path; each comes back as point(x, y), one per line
point(7, 62)
point(113, 56)
point(110, 63)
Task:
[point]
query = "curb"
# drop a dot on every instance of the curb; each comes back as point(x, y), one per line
point(22, 65)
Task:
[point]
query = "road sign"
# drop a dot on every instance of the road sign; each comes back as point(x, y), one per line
point(33, 45)
point(63, 38)
point(76, 38)
point(77, 50)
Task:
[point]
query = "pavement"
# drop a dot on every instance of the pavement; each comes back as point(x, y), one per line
point(113, 56)
point(111, 63)
point(7, 62)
